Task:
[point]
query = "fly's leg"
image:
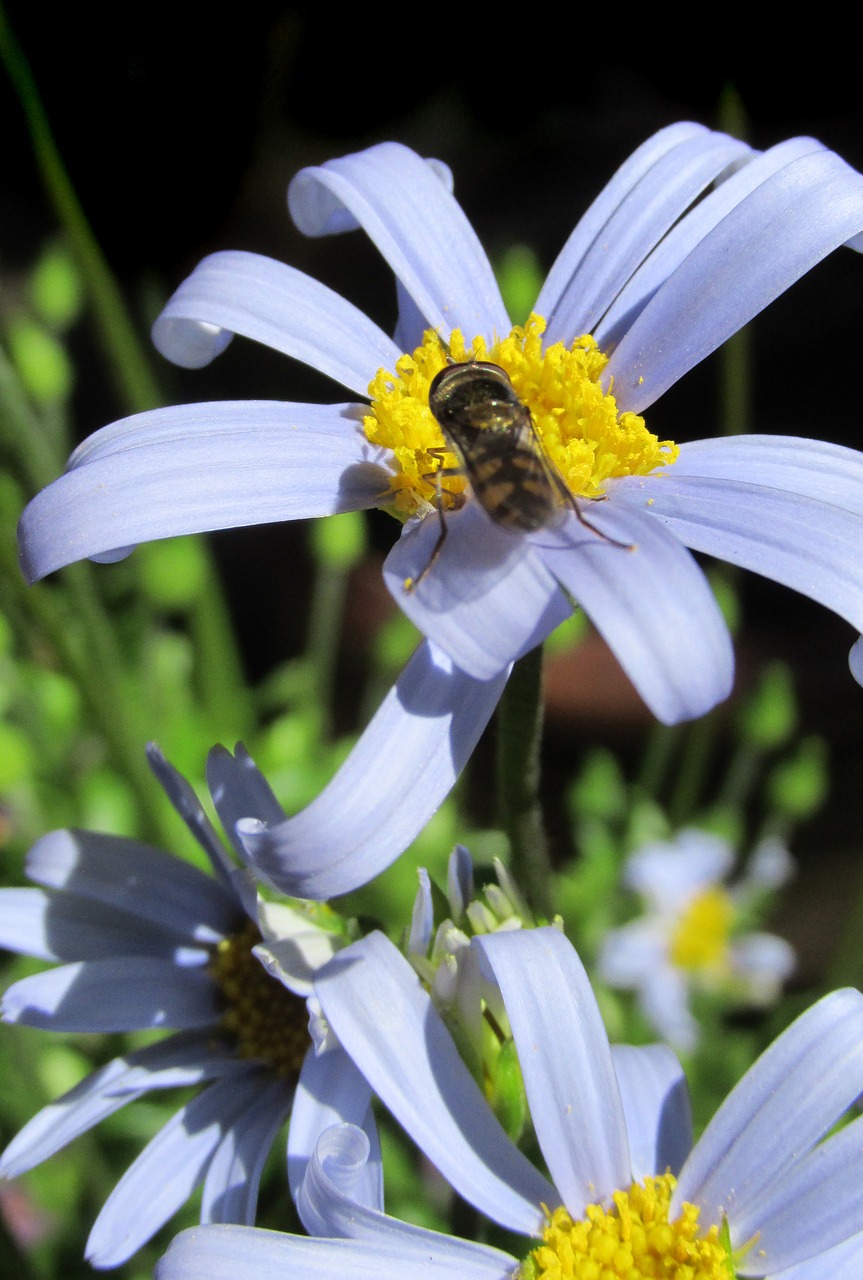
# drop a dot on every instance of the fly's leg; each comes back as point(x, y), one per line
point(572, 502)
point(411, 584)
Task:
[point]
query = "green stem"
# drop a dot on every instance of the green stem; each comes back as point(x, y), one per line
point(519, 737)
point(122, 344)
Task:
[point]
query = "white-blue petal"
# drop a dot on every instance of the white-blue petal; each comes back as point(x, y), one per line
point(566, 1062)
point(686, 234)
point(192, 468)
point(842, 1262)
point(831, 473)
point(331, 1091)
point(652, 605)
point(230, 1192)
point(418, 226)
point(771, 238)
point(784, 1104)
point(244, 293)
point(656, 1106)
point(386, 1022)
point(613, 194)
point(248, 1253)
point(125, 993)
point(413, 750)
point(802, 542)
point(486, 599)
point(816, 1204)
point(644, 215)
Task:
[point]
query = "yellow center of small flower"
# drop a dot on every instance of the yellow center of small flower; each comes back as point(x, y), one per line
point(633, 1240)
point(700, 940)
point(267, 1021)
point(578, 424)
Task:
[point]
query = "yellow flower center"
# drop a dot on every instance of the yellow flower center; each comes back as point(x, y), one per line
point(700, 940)
point(633, 1240)
point(267, 1021)
point(577, 423)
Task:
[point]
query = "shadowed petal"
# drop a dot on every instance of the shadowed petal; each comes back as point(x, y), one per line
point(414, 747)
point(187, 1058)
point(231, 1186)
point(566, 1062)
point(652, 605)
point(245, 293)
point(115, 871)
point(387, 1023)
point(198, 467)
point(486, 599)
point(126, 993)
point(168, 1169)
point(419, 228)
point(656, 1106)
point(58, 926)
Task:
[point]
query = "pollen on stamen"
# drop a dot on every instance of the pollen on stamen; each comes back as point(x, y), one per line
point(578, 424)
point(266, 1021)
point(632, 1240)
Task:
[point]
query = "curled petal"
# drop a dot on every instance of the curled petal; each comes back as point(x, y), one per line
point(415, 747)
point(275, 304)
point(410, 215)
point(386, 1022)
point(332, 1092)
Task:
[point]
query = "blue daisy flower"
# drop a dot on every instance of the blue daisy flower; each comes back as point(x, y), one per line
point(763, 1190)
point(693, 236)
point(144, 940)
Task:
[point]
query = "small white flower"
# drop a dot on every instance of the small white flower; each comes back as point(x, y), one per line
point(686, 939)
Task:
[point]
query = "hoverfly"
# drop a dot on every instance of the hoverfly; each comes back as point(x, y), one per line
point(492, 434)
